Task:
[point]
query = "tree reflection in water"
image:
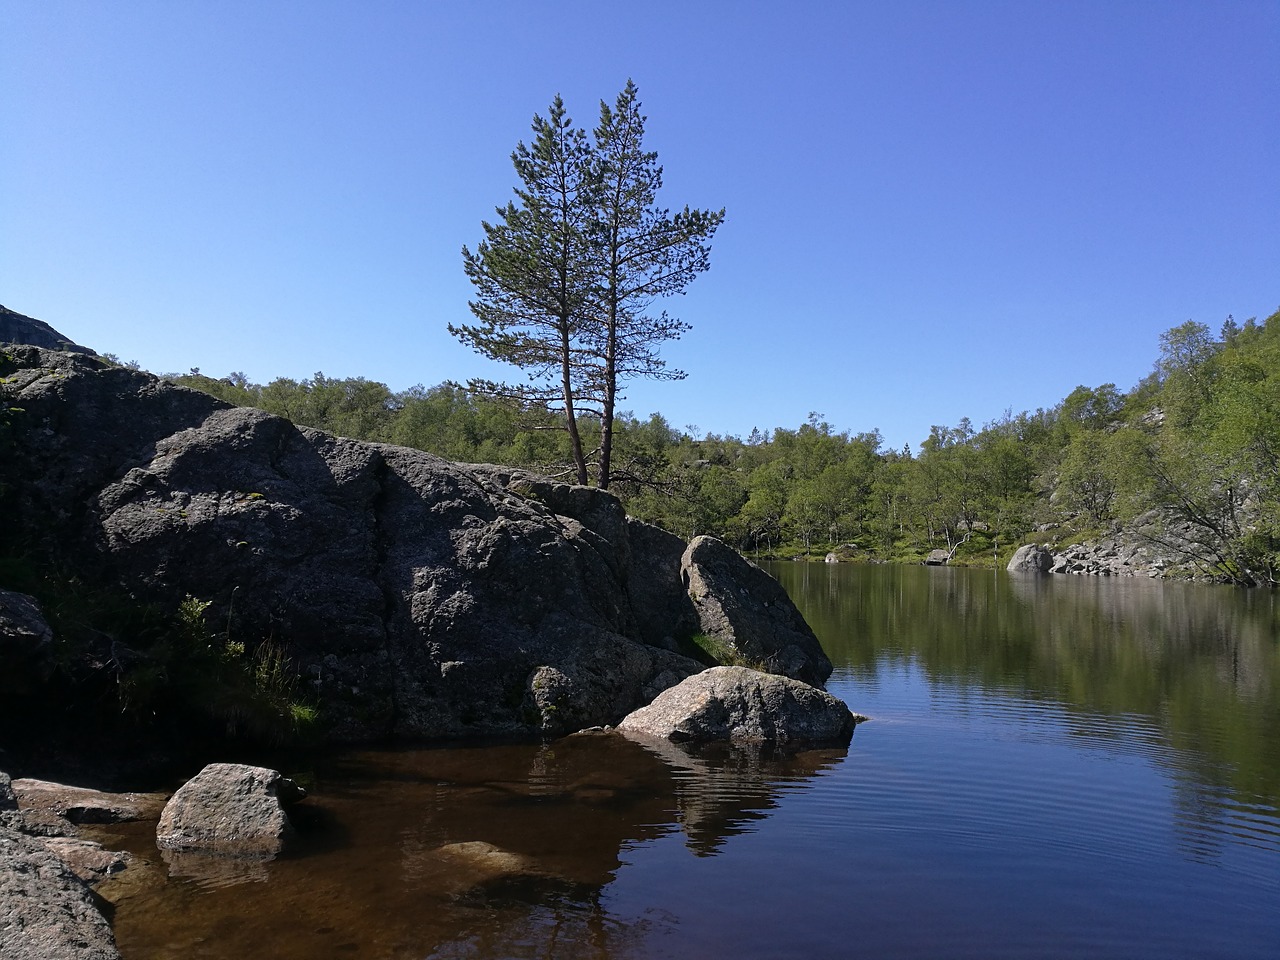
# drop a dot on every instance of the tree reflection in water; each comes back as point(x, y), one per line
point(501, 850)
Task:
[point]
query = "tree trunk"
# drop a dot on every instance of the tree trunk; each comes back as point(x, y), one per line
point(571, 419)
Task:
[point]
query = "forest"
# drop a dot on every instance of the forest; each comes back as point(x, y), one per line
point(1193, 447)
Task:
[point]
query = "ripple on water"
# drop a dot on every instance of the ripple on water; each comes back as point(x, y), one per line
point(987, 766)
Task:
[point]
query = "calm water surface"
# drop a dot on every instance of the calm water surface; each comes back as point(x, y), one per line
point(1056, 767)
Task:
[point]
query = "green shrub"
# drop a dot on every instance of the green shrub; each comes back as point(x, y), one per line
point(715, 652)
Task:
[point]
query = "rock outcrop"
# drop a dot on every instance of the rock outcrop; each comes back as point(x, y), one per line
point(1031, 558)
point(26, 641)
point(229, 810)
point(16, 328)
point(743, 706)
point(8, 799)
point(1129, 553)
point(416, 597)
point(83, 805)
point(46, 911)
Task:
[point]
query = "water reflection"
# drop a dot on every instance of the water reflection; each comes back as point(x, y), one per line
point(721, 789)
point(458, 851)
point(214, 871)
point(1185, 674)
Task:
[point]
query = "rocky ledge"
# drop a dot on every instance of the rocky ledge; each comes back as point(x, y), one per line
point(48, 910)
point(415, 597)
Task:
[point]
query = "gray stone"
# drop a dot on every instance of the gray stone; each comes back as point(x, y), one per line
point(228, 809)
point(88, 859)
point(1031, 558)
point(82, 805)
point(743, 705)
point(46, 911)
point(937, 558)
point(742, 606)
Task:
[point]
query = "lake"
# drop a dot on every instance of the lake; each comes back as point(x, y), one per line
point(1055, 767)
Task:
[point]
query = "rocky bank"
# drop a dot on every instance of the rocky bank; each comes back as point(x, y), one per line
point(416, 597)
point(1128, 552)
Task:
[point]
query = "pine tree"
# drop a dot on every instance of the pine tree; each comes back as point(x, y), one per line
point(565, 280)
point(646, 254)
point(532, 274)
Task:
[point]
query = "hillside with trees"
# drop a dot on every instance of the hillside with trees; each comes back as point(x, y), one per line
point(1187, 458)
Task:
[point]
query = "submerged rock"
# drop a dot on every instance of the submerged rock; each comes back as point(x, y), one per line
point(88, 859)
point(230, 810)
point(746, 706)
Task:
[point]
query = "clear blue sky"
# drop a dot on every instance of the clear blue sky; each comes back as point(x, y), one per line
point(935, 209)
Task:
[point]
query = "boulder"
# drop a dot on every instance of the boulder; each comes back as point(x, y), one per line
point(745, 706)
point(46, 911)
point(937, 558)
point(1031, 558)
point(228, 809)
point(742, 606)
point(415, 597)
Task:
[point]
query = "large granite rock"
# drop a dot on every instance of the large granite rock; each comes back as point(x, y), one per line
point(16, 328)
point(416, 597)
point(46, 911)
point(742, 606)
point(228, 809)
point(1031, 558)
point(744, 706)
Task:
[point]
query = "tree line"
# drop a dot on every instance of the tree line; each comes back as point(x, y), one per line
point(565, 282)
point(1190, 455)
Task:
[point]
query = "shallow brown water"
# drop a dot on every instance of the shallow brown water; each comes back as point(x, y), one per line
point(499, 850)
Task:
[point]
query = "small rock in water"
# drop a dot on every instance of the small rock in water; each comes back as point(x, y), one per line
point(228, 809)
point(743, 705)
